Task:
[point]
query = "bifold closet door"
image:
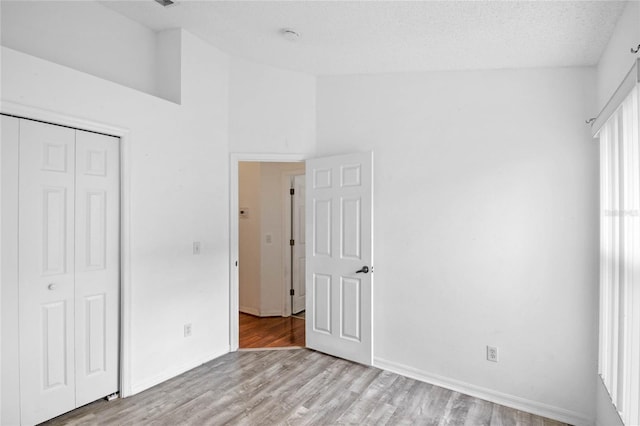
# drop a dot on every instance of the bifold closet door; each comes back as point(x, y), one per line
point(46, 270)
point(97, 268)
point(68, 268)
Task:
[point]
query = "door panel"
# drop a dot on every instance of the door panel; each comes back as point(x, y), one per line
point(351, 228)
point(54, 327)
point(339, 224)
point(322, 227)
point(95, 344)
point(45, 270)
point(321, 303)
point(350, 308)
point(97, 265)
point(54, 233)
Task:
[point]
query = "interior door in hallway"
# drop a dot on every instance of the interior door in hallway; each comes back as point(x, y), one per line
point(299, 247)
point(340, 255)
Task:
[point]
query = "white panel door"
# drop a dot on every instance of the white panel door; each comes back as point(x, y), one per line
point(299, 246)
point(45, 268)
point(96, 266)
point(339, 256)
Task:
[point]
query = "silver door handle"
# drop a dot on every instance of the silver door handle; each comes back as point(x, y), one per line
point(52, 286)
point(363, 270)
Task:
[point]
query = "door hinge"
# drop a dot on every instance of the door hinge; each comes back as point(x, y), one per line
point(291, 242)
point(292, 191)
point(291, 292)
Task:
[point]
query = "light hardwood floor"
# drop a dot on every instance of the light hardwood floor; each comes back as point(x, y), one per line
point(296, 387)
point(270, 332)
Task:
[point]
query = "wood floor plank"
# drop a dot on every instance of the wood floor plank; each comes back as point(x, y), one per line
point(270, 332)
point(457, 408)
point(369, 399)
point(479, 413)
point(294, 387)
point(380, 415)
point(503, 416)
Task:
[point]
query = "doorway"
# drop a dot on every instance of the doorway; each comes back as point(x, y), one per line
point(270, 254)
point(339, 255)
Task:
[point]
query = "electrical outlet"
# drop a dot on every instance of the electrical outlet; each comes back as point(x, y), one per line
point(196, 247)
point(492, 354)
point(187, 330)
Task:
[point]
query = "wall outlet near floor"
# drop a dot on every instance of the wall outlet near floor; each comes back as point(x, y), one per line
point(492, 354)
point(187, 330)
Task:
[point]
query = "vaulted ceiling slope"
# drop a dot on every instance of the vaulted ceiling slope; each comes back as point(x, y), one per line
point(353, 37)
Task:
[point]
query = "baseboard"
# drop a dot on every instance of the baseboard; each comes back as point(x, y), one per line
point(250, 311)
point(533, 407)
point(257, 313)
point(273, 313)
point(172, 372)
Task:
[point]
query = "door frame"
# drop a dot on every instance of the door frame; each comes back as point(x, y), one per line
point(234, 251)
point(38, 114)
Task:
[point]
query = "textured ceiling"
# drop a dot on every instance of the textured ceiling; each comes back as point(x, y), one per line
point(340, 37)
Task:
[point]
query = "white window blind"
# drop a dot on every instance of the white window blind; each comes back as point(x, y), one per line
point(619, 358)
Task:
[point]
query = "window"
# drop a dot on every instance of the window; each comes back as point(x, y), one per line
point(619, 357)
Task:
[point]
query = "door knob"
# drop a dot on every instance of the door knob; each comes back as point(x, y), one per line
point(363, 270)
point(52, 286)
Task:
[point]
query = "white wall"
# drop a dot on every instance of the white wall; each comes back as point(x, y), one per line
point(271, 110)
point(485, 217)
point(616, 60)
point(614, 64)
point(168, 65)
point(85, 36)
point(178, 158)
point(249, 237)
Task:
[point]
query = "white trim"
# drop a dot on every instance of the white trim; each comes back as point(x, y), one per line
point(28, 112)
point(522, 404)
point(24, 111)
point(125, 267)
point(234, 302)
point(174, 372)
